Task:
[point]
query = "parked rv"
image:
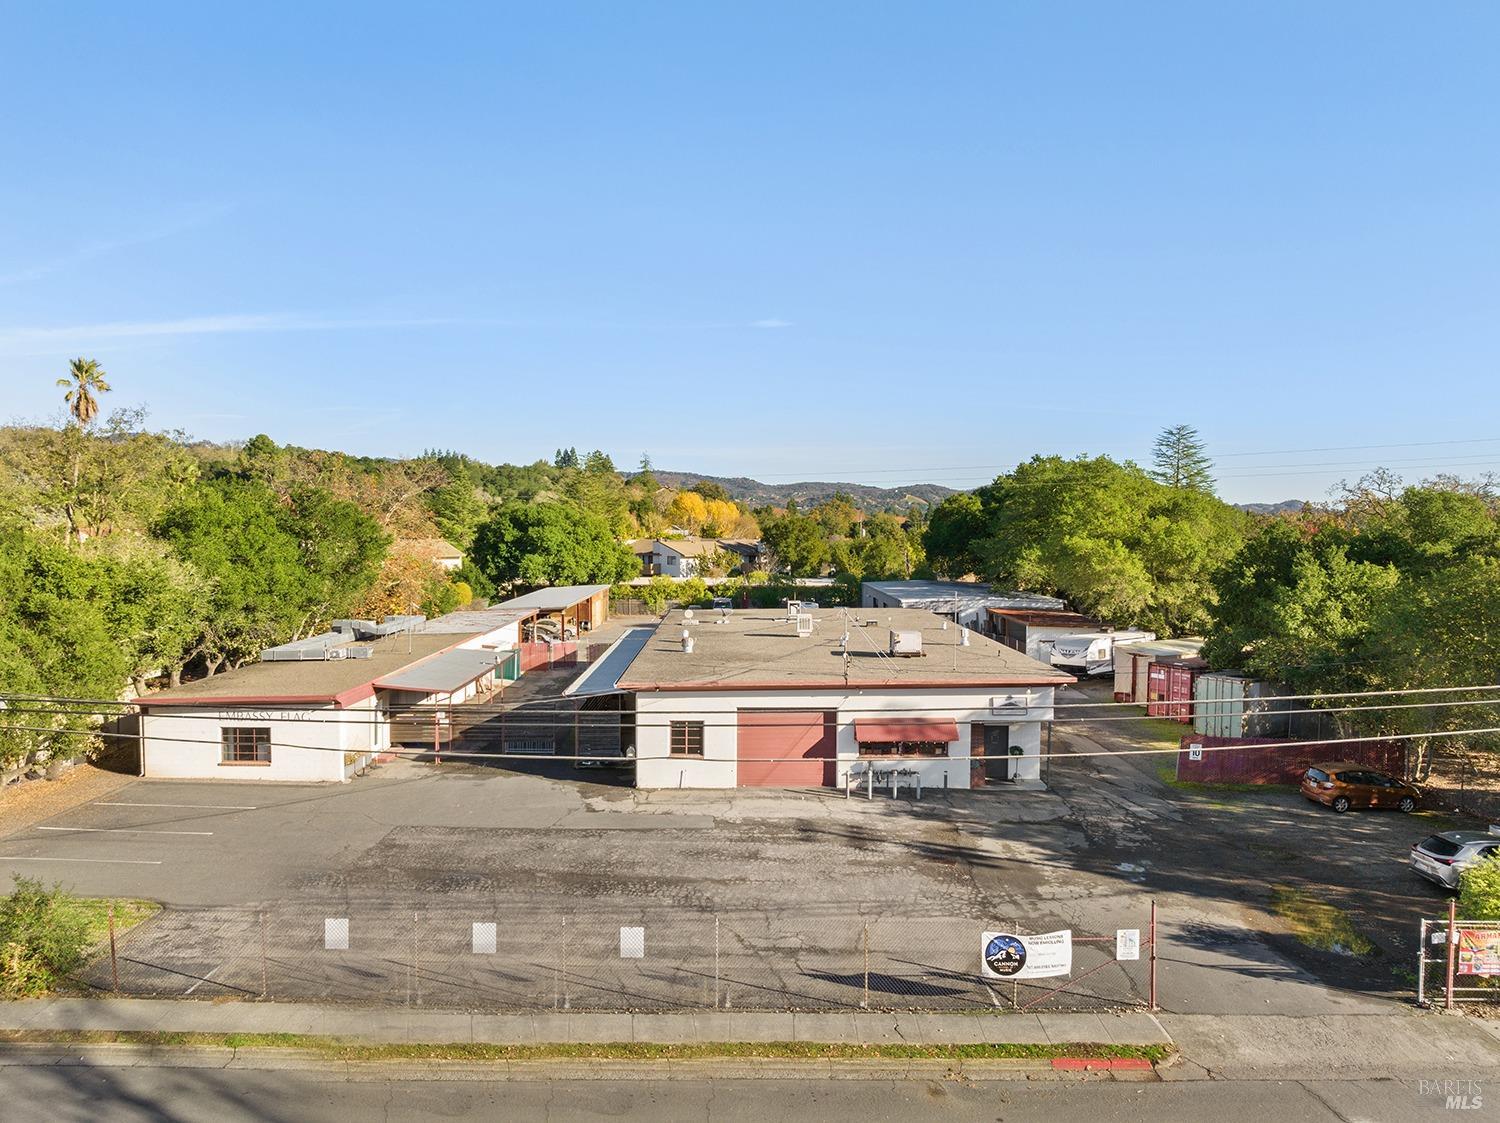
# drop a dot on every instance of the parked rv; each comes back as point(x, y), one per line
point(1092, 653)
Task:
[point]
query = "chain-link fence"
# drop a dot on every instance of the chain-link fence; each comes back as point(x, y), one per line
point(1458, 961)
point(505, 955)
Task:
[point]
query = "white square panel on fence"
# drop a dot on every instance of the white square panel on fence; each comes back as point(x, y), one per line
point(632, 943)
point(336, 934)
point(484, 938)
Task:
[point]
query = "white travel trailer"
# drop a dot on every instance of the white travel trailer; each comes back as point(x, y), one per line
point(1092, 653)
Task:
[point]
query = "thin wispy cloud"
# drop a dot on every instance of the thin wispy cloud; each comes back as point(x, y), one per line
point(102, 248)
point(12, 339)
point(773, 322)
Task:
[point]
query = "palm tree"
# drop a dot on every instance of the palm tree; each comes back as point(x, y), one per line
point(85, 379)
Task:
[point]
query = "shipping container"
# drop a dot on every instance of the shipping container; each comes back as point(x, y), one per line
point(1170, 689)
point(1231, 705)
point(1132, 662)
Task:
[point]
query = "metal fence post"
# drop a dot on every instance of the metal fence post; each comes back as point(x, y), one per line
point(716, 961)
point(114, 961)
point(416, 979)
point(866, 1003)
point(264, 988)
point(1452, 950)
point(562, 955)
point(1422, 963)
point(1151, 984)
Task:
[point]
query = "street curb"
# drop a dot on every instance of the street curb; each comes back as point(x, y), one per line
point(114, 1055)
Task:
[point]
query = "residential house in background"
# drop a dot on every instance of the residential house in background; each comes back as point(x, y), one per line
point(439, 551)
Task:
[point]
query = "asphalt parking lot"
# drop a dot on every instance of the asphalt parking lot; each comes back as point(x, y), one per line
point(749, 897)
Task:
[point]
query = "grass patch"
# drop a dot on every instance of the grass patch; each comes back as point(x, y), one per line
point(94, 911)
point(624, 1050)
point(1317, 923)
point(47, 934)
point(1166, 772)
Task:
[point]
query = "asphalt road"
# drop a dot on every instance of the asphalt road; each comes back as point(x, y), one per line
point(122, 1095)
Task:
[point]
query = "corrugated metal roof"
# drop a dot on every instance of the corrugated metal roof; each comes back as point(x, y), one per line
point(448, 671)
point(605, 672)
point(554, 598)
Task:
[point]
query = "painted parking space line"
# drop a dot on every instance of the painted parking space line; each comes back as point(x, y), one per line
point(101, 861)
point(120, 830)
point(206, 977)
point(190, 806)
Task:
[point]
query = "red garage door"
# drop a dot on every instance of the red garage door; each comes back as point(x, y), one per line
point(786, 748)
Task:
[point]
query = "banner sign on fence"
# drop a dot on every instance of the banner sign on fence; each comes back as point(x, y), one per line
point(1478, 951)
point(1127, 943)
point(1004, 955)
point(632, 943)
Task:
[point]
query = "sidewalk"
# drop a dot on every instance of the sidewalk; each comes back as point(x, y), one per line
point(396, 1025)
point(1401, 1043)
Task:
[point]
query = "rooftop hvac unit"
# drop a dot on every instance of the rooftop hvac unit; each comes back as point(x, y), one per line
point(906, 642)
point(359, 652)
point(804, 624)
point(359, 629)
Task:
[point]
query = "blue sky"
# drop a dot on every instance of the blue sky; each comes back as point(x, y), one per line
point(871, 241)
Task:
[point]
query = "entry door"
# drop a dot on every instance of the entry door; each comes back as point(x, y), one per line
point(996, 753)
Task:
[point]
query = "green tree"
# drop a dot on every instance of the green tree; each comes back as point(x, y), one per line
point(550, 544)
point(796, 541)
point(953, 530)
point(1109, 539)
point(457, 509)
point(838, 514)
point(1296, 608)
point(565, 458)
point(55, 640)
point(1178, 459)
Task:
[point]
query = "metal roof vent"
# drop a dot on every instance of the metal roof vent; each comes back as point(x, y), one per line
point(963, 637)
point(906, 643)
point(804, 624)
point(687, 642)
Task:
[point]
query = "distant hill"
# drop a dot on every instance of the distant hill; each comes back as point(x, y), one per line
point(753, 493)
point(1272, 508)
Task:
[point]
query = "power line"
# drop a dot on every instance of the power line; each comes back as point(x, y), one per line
point(112, 708)
point(460, 754)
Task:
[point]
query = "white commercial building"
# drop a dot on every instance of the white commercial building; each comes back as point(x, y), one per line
point(318, 709)
point(771, 698)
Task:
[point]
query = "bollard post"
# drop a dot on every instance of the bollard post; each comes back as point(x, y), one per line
point(264, 988)
point(866, 1003)
point(114, 961)
point(1151, 984)
point(1452, 950)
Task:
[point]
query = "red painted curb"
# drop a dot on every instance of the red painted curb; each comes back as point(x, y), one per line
point(1111, 1063)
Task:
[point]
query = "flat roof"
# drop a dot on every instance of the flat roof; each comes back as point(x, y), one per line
point(759, 649)
point(969, 594)
point(471, 621)
point(309, 681)
point(443, 673)
point(554, 598)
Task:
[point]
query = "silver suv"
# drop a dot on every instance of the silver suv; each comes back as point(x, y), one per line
point(1444, 857)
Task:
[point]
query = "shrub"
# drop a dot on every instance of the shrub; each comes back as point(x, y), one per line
point(43, 937)
point(1479, 891)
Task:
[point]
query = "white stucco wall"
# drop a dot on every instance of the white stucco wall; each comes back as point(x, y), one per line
point(657, 768)
point(307, 742)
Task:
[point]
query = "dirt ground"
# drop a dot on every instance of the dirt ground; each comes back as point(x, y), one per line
point(32, 801)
